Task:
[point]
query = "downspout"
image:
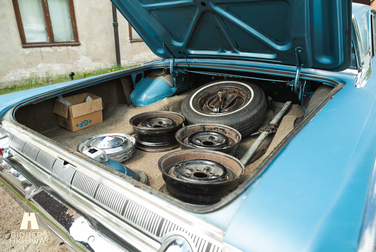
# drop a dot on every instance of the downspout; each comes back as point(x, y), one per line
point(116, 35)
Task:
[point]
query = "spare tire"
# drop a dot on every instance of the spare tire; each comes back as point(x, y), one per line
point(238, 104)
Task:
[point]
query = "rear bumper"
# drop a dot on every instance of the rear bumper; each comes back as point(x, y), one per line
point(55, 214)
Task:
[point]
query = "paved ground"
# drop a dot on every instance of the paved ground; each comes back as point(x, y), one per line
point(13, 239)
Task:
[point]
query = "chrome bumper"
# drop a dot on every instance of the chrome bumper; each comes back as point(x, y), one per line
point(67, 225)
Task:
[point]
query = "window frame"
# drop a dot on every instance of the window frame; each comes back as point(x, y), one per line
point(373, 32)
point(131, 39)
point(50, 33)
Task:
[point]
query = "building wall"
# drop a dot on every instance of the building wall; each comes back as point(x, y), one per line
point(96, 50)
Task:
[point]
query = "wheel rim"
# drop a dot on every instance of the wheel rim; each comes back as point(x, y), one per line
point(208, 140)
point(221, 101)
point(155, 131)
point(157, 122)
point(199, 171)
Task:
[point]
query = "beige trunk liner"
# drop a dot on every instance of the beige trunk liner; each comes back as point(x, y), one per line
point(116, 120)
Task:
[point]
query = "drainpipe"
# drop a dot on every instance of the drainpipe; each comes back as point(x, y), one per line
point(116, 35)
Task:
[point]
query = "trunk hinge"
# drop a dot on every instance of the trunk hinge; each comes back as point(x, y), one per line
point(299, 88)
point(295, 86)
point(179, 74)
point(172, 61)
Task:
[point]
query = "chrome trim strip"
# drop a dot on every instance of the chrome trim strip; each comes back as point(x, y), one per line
point(82, 231)
point(45, 160)
point(368, 233)
point(119, 228)
point(85, 184)
point(137, 200)
point(26, 189)
point(364, 59)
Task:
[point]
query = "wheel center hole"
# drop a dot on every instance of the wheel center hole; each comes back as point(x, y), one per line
point(207, 143)
point(159, 125)
point(200, 175)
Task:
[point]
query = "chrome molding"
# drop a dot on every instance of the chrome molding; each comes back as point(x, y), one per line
point(63, 172)
point(84, 184)
point(82, 231)
point(79, 231)
point(115, 202)
point(46, 161)
point(368, 232)
point(363, 55)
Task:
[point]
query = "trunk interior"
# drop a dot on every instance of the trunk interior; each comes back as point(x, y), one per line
point(117, 111)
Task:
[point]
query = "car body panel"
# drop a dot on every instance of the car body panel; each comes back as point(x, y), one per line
point(215, 218)
point(317, 194)
point(318, 186)
point(257, 30)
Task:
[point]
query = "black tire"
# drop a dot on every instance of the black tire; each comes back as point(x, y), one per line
point(245, 113)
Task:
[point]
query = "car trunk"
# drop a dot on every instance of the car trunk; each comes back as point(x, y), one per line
point(39, 117)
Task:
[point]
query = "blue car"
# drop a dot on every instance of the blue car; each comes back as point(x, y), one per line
point(98, 159)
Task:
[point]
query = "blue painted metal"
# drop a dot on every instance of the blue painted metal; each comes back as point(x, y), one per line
point(116, 165)
point(9, 100)
point(252, 203)
point(120, 168)
point(157, 86)
point(318, 194)
point(258, 30)
point(152, 89)
point(313, 195)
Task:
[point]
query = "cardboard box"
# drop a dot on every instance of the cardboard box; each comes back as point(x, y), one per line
point(81, 114)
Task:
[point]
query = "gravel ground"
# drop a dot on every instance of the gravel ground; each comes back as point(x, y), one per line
point(13, 239)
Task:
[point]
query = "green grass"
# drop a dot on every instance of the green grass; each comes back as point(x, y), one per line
point(37, 81)
point(25, 84)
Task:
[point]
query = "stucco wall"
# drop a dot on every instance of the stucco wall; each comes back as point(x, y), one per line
point(97, 49)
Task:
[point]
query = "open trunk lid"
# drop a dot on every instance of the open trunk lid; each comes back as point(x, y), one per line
point(315, 34)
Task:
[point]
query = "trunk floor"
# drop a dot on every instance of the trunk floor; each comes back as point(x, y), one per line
point(116, 120)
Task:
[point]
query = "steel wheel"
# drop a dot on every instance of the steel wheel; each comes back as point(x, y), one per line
point(157, 122)
point(200, 171)
point(208, 140)
point(155, 131)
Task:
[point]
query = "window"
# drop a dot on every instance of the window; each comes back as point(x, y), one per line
point(133, 35)
point(46, 22)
